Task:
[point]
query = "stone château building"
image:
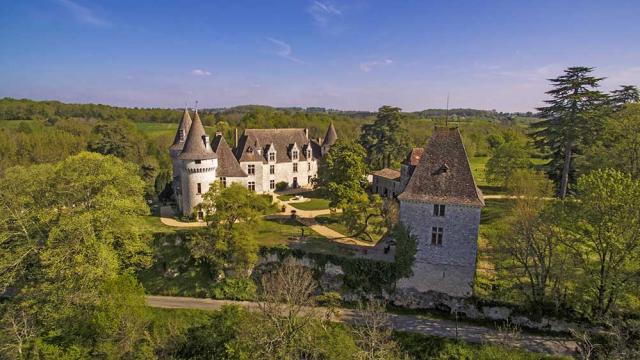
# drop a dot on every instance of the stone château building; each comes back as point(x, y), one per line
point(261, 159)
point(440, 204)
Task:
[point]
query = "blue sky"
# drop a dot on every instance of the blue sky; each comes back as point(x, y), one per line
point(354, 55)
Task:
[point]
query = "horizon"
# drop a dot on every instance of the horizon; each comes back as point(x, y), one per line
point(343, 55)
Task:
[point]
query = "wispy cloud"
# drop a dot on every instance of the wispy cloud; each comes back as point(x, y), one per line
point(284, 50)
point(323, 11)
point(370, 65)
point(200, 72)
point(84, 14)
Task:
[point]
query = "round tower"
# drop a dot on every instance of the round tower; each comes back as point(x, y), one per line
point(198, 165)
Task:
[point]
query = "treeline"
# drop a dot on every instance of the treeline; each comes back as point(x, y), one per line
point(24, 109)
point(49, 141)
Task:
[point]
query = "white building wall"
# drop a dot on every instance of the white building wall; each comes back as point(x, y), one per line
point(448, 268)
point(257, 177)
point(192, 174)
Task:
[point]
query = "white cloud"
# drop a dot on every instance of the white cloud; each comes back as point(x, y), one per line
point(284, 50)
point(370, 65)
point(322, 12)
point(84, 14)
point(200, 72)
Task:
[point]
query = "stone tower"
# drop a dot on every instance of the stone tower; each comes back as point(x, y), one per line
point(329, 140)
point(441, 206)
point(198, 164)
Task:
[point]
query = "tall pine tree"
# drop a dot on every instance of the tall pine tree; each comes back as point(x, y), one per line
point(386, 139)
point(573, 115)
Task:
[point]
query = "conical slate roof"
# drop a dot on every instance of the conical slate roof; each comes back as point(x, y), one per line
point(331, 136)
point(228, 165)
point(443, 174)
point(182, 132)
point(195, 147)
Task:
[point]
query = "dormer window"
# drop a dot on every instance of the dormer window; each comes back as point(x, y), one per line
point(294, 155)
point(272, 156)
point(309, 153)
point(249, 149)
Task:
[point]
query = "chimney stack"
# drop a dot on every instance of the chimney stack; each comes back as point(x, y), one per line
point(306, 133)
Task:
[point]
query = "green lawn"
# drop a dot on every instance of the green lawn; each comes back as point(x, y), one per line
point(315, 202)
point(333, 221)
point(175, 273)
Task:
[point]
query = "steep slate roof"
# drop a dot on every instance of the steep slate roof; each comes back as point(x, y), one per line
point(413, 158)
point(443, 174)
point(184, 125)
point(228, 166)
point(387, 173)
point(331, 136)
point(282, 140)
point(194, 146)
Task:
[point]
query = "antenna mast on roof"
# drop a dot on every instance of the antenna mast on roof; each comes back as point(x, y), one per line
point(446, 121)
point(196, 105)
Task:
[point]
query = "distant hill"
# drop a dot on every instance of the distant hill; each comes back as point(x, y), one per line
point(25, 109)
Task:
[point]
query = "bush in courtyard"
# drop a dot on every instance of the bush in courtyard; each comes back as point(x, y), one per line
point(282, 185)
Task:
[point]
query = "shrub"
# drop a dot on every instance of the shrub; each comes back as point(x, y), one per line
point(282, 185)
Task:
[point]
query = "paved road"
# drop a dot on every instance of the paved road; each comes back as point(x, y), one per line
point(410, 323)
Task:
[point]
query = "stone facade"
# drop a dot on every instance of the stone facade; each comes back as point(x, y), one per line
point(448, 265)
point(440, 204)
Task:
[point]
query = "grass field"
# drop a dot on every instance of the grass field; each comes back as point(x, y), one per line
point(316, 201)
point(333, 221)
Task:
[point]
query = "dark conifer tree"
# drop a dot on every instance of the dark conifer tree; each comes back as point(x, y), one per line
point(573, 115)
point(386, 139)
point(625, 95)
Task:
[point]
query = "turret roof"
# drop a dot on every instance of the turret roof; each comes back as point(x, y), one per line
point(183, 126)
point(331, 136)
point(195, 147)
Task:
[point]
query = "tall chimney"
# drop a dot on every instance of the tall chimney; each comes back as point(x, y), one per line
point(306, 133)
point(235, 142)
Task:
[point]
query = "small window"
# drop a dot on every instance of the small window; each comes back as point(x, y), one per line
point(272, 184)
point(272, 156)
point(198, 161)
point(309, 154)
point(295, 167)
point(438, 210)
point(199, 188)
point(436, 235)
point(251, 169)
point(251, 185)
point(223, 182)
point(308, 166)
point(294, 154)
point(272, 169)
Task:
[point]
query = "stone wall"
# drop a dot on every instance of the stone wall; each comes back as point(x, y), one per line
point(331, 278)
point(450, 267)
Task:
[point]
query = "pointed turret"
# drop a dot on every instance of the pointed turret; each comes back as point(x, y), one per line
point(197, 145)
point(331, 136)
point(183, 131)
